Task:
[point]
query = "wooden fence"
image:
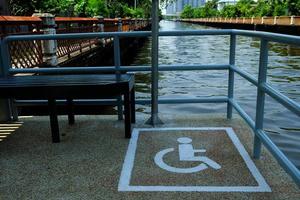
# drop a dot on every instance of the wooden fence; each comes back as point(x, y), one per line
point(28, 54)
point(281, 20)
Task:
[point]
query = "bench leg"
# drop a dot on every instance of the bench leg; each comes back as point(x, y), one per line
point(14, 110)
point(71, 116)
point(132, 104)
point(120, 108)
point(127, 115)
point(53, 120)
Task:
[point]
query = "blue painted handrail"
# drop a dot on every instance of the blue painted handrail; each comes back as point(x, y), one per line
point(263, 87)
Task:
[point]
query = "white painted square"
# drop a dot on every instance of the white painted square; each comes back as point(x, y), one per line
point(124, 183)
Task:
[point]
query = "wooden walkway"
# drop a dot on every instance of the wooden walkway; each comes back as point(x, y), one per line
point(29, 54)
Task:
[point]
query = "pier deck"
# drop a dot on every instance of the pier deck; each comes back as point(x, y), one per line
point(88, 162)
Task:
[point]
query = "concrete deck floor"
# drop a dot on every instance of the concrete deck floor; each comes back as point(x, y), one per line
point(87, 163)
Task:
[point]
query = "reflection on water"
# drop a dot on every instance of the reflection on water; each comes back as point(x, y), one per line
point(283, 74)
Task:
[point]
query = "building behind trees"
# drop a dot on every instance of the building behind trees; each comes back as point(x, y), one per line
point(177, 6)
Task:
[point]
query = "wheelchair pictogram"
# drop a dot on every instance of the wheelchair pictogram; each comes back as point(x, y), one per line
point(186, 154)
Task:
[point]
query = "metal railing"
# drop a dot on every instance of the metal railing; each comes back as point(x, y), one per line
point(32, 53)
point(263, 88)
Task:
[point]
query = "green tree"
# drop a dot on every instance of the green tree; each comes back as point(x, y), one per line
point(271, 8)
point(22, 7)
point(211, 8)
point(245, 8)
point(97, 8)
point(199, 12)
point(293, 7)
point(187, 12)
point(229, 11)
point(86, 8)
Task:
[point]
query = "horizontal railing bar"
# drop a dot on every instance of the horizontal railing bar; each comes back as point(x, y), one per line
point(77, 36)
point(288, 166)
point(114, 102)
point(274, 37)
point(196, 32)
point(122, 68)
point(192, 67)
point(98, 102)
point(185, 100)
point(113, 34)
point(245, 75)
point(276, 152)
point(242, 113)
point(282, 99)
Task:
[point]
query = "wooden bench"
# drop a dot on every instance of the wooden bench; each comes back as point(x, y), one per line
point(69, 87)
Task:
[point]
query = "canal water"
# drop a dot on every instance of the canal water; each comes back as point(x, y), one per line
point(283, 73)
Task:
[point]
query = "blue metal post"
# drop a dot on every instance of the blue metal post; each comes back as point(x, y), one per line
point(117, 61)
point(260, 102)
point(154, 119)
point(5, 112)
point(231, 75)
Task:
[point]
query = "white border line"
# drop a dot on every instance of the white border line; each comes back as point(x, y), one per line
point(124, 183)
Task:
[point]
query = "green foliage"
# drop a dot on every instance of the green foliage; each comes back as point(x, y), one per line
point(209, 10)
point(84, 8)
point(134, 13)
point(188, 12)
point(22, 7)
point(245, 8)
point(97, 8)
point(293, 7)
point(271, 8)
point(229, 11)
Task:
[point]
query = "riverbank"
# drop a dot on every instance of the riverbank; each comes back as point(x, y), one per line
point(269, 25)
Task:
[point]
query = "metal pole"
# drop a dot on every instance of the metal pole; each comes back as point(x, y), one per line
point(5, 114)
point(154, 119)
point(231, 75)
point(117, 61)
point(260, 102)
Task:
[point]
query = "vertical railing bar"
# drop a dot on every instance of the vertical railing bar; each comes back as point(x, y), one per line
point(117, 61)
point(260, 102)
point(231, 75)
point(5, 57)
point(154, 119)
point(6, 109)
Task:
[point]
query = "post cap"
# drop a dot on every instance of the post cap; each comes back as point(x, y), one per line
point(43, 15)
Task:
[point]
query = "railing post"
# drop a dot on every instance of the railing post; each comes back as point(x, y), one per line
point(292, 20)
point(100, 26)
point(135, 24)
point(154, 119)
point(275, 20)
point(262, 20)
point(49, 47)
point(231, 75)
point(260, 102)
point(117, 60)
point(5, 112)
point(120, 25)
